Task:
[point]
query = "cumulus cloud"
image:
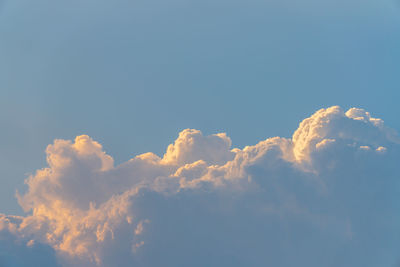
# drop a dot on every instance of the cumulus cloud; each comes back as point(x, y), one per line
point(325, 197)
point(20, 250)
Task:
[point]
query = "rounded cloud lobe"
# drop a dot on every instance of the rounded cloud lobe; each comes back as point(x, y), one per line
point(325, 197)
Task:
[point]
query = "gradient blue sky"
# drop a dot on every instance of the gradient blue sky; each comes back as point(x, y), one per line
point(132, 74)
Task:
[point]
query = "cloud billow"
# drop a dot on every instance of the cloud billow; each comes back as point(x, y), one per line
point(325, 197)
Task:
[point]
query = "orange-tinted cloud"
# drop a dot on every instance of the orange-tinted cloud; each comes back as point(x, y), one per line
point(329, 190)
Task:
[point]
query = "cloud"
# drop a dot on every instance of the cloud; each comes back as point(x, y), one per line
point(18, 250)
point(191, 146)
point(325, 197)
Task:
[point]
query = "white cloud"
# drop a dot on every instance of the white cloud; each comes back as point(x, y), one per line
point(191, 146)
point(326, 197)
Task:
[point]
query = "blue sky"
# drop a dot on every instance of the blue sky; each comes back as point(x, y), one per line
point(133, 74)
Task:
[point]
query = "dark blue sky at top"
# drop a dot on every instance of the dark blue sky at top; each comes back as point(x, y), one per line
point(132, 74)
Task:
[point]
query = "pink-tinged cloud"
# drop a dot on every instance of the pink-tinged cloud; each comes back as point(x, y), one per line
point(328, 196)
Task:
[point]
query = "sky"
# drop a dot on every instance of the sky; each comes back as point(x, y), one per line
point(87, 86)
